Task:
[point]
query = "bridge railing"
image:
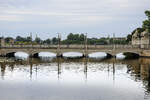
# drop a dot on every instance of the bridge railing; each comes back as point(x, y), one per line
point(75, 46)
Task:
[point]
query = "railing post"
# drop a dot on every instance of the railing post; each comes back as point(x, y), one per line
point(31, 40)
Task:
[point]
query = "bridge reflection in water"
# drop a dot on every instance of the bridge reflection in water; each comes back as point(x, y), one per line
point(116, 74)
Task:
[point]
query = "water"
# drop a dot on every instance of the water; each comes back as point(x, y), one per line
point(98, 55)
point(21, 55)
point(43, 55)
point(120, 56)
point(47, 54)
point(72, 54)
point(78, 79)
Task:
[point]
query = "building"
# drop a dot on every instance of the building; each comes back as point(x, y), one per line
point(136, 39)
point(2, 41)
point(145, 37)
point(141, 38)
point(9, 40)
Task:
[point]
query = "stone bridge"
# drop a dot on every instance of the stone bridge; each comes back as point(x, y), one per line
point(33, 50)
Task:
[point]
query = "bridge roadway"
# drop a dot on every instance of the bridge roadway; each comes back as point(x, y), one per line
point(33, 50)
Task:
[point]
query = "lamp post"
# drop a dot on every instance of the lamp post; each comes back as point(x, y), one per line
point(31, 39)
point(114, 40)
point(86, 46)
point(58, 47)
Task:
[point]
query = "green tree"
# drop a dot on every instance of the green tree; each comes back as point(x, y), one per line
point(146, 23)
point(129, 38)
point(38, 40)
point(47, 41)
point(70, 36)
point(28, 39)
point(19, 38)
point(54, 40)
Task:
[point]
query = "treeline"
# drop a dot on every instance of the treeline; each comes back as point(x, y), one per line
point(80, 39)
point(71, 39)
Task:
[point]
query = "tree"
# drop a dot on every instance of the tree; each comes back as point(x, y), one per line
point(28, 39)
point(70, 36)
point(129, 38)
point(47, 41)
point(82, 37)
point(146, 23)
point(38, 40)
point(54, 40)
point(19, 38)
point(147, 14)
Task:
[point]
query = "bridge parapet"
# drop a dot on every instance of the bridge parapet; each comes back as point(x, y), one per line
point(71, 46)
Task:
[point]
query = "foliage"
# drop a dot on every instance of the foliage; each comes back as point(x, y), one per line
point(129, 38)
point(71, 39)
point(54, 40)
point(47, 41)
point(146, 23)
point(140, 30)
point(38, 40)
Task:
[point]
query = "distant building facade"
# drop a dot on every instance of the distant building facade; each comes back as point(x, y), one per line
point(9, 40)
point(141, 38)
point(2, 41)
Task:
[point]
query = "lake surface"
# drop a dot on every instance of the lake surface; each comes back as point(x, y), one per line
point(80, 79)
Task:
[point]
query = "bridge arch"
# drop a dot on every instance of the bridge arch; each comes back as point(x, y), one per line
point(36, 53)
point(108, 55)
point(12, 53)
point(72, 54)
point(130, 54)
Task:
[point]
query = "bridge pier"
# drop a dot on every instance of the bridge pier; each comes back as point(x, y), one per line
point(2, 55)
point(85, 56)
point(34, 55)
point(59, 55)
point(30, 56)
point(111, 55)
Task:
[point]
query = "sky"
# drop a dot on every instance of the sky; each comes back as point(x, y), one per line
point(46, 18)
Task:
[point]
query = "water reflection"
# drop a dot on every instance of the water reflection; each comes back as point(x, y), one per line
point(47, 54)
point(96, 79)
point(21, 55)
point(98, 55)
point(72, 55)
point(120, 56)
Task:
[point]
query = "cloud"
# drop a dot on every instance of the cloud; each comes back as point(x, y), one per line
point(10, 18)
point(72, 15)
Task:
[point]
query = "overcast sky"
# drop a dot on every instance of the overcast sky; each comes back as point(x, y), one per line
point(98, 18)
